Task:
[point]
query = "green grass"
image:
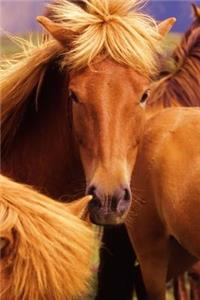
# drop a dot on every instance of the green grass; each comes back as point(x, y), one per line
point(8, 47)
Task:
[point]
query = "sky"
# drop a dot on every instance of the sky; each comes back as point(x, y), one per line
point(19, 16)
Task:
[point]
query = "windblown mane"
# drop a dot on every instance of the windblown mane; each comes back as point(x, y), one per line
point(115, 28)
point(22, 77)
point(180, 84)
point(47, 251)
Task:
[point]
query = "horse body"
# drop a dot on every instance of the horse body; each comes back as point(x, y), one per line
point(166, 206)
point(174, 89)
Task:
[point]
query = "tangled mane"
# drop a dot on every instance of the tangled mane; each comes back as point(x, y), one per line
point(180, 82)
point(46, 250)
point(114, 28)
point(21, 76)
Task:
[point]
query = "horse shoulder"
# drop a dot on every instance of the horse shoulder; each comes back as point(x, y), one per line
point(166, 185)
point(171, 150)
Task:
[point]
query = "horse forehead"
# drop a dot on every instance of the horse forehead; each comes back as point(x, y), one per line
point(108, 73)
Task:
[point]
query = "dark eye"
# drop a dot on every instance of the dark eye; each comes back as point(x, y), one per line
point(145, 96)
point(73, 97)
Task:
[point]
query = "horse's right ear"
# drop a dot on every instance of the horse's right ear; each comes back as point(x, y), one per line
point(165, 26)
point(196, 11)
point(61, 34)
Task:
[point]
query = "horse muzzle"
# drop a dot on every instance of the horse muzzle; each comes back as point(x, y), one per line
point(107, 209)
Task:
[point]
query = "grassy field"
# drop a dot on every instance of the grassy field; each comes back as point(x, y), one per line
point(8, 48)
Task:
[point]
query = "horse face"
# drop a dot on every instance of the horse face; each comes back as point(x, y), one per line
point(108, 119)
point(107, 116)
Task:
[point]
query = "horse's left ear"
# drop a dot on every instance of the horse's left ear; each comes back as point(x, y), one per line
point(165, 26)
point(196, 11)
point(61, 34)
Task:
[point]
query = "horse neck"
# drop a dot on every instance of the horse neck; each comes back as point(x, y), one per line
point(43, 152)
point(177, 88)
point(181, 50)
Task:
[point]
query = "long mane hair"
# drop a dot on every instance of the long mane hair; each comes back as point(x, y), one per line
point(22, 78)
point(48, 251)
point(35, 117)
point(178, 83)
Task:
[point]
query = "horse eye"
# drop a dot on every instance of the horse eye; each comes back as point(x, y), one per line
point(73, 97)
point(145, 96)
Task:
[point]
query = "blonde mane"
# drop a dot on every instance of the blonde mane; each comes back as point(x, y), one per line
point(114, 28)
point(48, 250)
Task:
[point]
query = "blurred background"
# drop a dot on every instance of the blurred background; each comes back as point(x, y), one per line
point(18, 16)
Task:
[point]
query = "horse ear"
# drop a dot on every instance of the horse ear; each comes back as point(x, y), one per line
point(79, 207)
point(196, 11)
point(165, 26)
point(58, 32)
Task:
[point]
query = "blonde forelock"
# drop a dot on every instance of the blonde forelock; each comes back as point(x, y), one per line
point(113, 27)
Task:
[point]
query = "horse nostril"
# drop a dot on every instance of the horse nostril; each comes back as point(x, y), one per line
point(127, 195)
point(114, 202)
point(95, 203)
point(121, 196)
point(91, 190)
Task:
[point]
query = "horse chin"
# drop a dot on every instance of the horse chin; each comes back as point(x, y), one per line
point(106, 220)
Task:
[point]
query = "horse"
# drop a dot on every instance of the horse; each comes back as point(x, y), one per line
point(63, 106)
point(45, 250)
point(163, 222)
point(176, 88)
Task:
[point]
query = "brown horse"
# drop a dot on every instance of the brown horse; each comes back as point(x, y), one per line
point(176, 88)
point(164, 220)
point(67, 96)
point(33, 230)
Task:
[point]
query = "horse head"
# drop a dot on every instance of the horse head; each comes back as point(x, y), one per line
point(109, 77)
